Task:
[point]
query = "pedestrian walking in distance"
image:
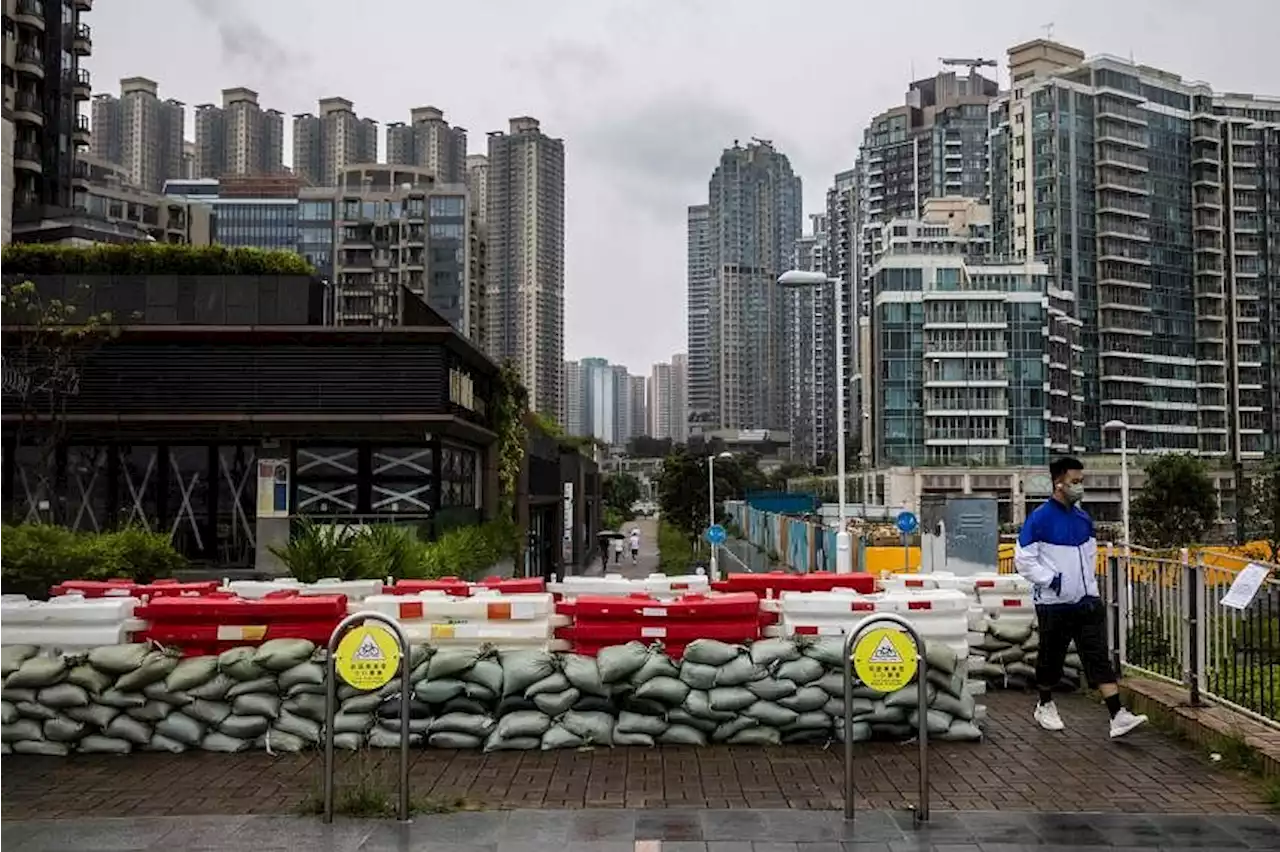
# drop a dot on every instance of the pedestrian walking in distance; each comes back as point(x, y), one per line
point(635, 545)
point(1057, 553)
point(617, 551)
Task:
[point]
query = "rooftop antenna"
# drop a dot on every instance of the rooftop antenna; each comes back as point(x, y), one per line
point(1048, 30)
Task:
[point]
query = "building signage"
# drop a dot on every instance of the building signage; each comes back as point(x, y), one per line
point(273, 488)
point(462, 389)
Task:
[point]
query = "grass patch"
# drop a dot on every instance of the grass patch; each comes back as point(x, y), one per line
point(368, 802)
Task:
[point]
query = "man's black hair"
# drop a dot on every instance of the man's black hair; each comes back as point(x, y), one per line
point(1060, 467)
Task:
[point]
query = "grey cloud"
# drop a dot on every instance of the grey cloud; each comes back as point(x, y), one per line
point(562, 63)
point(242, 39)
point(661, 154)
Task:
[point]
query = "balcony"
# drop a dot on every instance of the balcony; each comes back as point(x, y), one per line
point(26, 156)
point(28, 109)
point(30, 13)
point(82, 41)
point(30, 60)
point(80, 134)
point(81, 85)
point(80, 173)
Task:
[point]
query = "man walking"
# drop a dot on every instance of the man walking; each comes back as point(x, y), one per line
point(635, 545)
point(1057, 552)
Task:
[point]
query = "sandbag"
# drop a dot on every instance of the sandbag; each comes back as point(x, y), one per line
point(390, 708)
point(122, 700)
point(214, 689)
point(351, 723)
point(711, 652)
point(348, 741)
point(738, 671)
point(522, 669)
point(802, 671)
point(239, 664)
point(806, 699)
point(553, 704)
point(515, 704)
point(23, 729)
point(152, 711)
point(668, 690)
point(960, 731)
point(383, 738)
point(952, 684)
point(656, 664)
point(1021, 670)
point(960, 708)
point(771, 714)
point(1008, 655)
point(828, 652)
point(453, 662)
point(768, 652)
point(683, 735)
point(814, 720)
point(940, 656)
point(643, 706)
point(1012, 632)
point(39, 672)
point(308, 706)
point(17, 696)
point(909, 696)
point(98, 715)
point(298, 726)
point(524, 724)
point(181, 728)
point(463, 723)
point(119, 659)
point(278, 655)
point(244, 727)
point(623, 739)
point(497, 743)
point(257, 704)
point(698, 704)
point(32, 710)
point(635, 723)
point(726, 730)
point(224, 743)
point(583, 673)
point(283, 742)
point(367, 703)
point(680, 716)
point(698, 675)
point(486, 673)
point(155, 666)
point(991, 644)
point(619, 662)
point(208, 712)
point(439, 691)
point(552, 683)
point(882, 714)
point(191, 673)
point(158, 692)
point(266, 683)
point(762, 736)
point(859, 732)
point(936, 721)
point(455, 740)
point(161, 743)
point(13, 656)
point(594, 704)
point(64, 730)
point(772, 689)
point(100, 745)
point(558, 737)
point(8, 713)
point(592, 728)
point(131, 730)
point(732, 698)
point(90, 679)
point(304, 673)
point(42, 748)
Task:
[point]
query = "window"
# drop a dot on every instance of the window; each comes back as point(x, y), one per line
point(446, 231)
point(447, 205)
point(457, 478)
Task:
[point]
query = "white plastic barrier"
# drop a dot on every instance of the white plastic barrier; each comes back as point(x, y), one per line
point(68, 623)
point(355, 590)
point(940, 615)
point(616, 584)
point(508, 622)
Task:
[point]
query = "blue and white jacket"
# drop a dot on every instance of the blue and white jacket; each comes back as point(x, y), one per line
point(1057, 544)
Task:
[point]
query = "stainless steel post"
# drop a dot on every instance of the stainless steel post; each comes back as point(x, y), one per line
point(922, 732)
point(331, 701)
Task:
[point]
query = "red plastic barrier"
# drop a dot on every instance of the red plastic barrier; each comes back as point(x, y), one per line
point(514, 586)
point(775, 582)
point(726, 607)
point(216, 609)
point(207, 635)
point(681, 632)
point(450, 585)
point(128, 588)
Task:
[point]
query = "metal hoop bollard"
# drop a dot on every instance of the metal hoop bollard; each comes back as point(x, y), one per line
point(922, 812)
point(331, 701)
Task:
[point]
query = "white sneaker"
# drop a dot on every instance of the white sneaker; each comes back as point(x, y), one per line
point(1124, 722)
point(1047, 716)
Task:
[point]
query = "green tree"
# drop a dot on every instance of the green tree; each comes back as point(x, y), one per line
point(620, 492)
point(1177, 505)
point(682, 487)
point(1262, 506)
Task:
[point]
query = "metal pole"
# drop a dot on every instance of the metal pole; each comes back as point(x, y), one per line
point(844, 545)
point(714, 564)
point(922, 729)
point(1113, 609)
point(331, 701)
point(1124, 486)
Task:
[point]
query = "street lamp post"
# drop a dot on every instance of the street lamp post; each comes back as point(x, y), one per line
point(1121, 427)
point(711, 510)
point(797, 279)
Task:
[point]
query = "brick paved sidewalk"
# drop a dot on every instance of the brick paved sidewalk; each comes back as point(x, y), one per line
point(1018, 768)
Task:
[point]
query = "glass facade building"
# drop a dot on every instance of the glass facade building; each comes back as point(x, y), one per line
point(263, 223)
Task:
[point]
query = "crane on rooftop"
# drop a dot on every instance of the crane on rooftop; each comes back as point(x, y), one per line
point(972, 64)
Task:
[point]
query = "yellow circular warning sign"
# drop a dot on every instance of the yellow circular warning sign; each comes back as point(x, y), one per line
point(885, 659)
point(368, 656)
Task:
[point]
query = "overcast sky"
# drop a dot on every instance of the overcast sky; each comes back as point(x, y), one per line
point(645, 93)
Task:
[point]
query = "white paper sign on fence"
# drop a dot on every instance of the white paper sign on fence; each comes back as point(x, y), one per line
point(1245, 586)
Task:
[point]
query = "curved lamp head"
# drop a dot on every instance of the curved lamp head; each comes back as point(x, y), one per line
point(1113, 425)
point(801, 278)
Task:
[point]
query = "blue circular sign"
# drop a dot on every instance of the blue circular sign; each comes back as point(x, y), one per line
point(907, 522)
point(716, 534)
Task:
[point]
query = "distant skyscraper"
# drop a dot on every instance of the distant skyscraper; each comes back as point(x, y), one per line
point(428, 141)
point(754, 212)
point(324, 145)
point(680, 398)
point(702, 382)
point(239, 137)
point(571, 420)
point(600, 399)
point(810, 350)
point(525, 222)
point(638, 414)
point(478, 183)
point(665, 400)
point(139, 132)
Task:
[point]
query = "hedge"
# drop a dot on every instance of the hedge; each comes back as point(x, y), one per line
point(149, 259)
point(39, 556)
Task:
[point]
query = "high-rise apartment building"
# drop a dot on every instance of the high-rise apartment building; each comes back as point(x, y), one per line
point(600, 394)
point(238, 138)
point(1151, 199)
point(700, 282)
point(637, 407)
point(665, 401)
point(754, 212)
point(810, 351)
point(428, 141)
point(525, 290)
point(478, 183)
point(44, 83)
point(140, 132)
point(572, 416)
point(325, 145)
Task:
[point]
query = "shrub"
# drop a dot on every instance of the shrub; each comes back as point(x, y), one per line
point(468, 551)
point(38, 556)
point(316, 551)
point(149, 259)
point(675, 550)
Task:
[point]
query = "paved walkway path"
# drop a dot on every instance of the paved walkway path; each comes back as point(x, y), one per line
point(652, 831)
point(1018, 768)
point(646, 564)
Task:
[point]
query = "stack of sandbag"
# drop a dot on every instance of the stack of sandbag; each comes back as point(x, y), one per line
point(1003, 654)
point(551, 701)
